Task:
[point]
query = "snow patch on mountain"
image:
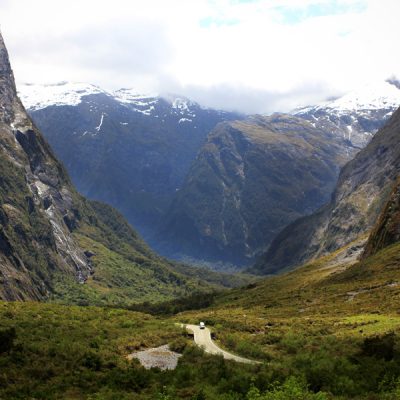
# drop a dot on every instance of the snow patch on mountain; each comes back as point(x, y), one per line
point(142, 103)
point(36, 96)
point(132, 97)
point(184, 120)
point(101, 123)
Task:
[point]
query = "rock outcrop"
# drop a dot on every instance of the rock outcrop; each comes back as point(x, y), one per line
point(387, 229)
point(37, 205)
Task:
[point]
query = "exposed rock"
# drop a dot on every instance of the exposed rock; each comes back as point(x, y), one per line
point(159, 357)
point(35, 184)
point(387, 230)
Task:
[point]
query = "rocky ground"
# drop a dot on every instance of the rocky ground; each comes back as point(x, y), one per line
point(159, 357)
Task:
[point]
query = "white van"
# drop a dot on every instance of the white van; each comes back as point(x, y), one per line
point(202, 325)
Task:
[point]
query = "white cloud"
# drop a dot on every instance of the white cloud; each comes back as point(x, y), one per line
point(256, 56)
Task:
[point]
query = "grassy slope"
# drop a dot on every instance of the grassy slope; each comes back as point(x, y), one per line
point(306, 326)
point(121, 260)
point(126, 270)
point(319, 321)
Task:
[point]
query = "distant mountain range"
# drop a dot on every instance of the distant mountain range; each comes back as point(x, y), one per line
point(129, 150)
point(198, 190)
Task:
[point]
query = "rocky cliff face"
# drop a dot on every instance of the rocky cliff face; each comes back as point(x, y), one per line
point(131, 151)
point(38, 210)
point(363, 188)
point(250, 179)
point(387, 229)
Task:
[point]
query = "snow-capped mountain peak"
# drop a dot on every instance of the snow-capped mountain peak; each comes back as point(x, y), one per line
point(374, 96)
point(356, 116)
point(37, 96)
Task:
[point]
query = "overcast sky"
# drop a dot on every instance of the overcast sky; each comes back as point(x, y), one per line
point(249, 55)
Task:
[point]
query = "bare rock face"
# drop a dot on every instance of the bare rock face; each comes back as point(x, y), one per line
point(362, 190)
point(387, 230)
point(38, 207)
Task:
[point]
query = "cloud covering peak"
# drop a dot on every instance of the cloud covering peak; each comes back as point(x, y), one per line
point(251, 56)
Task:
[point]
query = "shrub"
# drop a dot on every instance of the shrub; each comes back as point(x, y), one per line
point(92, 361)
point(7, 337)
point(379, 346)
point(291, 389)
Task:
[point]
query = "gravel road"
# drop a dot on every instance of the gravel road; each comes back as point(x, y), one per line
point(202, 338)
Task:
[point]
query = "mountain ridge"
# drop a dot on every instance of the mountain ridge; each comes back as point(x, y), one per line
point(363, 187)
point(250, 178)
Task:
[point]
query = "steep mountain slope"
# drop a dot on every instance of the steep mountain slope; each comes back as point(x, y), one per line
point(37, 203)
point(129, 150)
point(53, 242)
point(250, 179)
point(363, 188)
point(387, 229)
point(358, 115)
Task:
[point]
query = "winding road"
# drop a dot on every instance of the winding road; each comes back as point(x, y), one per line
point(202, 338)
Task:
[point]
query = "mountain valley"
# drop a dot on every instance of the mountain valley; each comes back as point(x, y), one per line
point(251, 179)
point(188, 185)
point(278, 234)
point(128, 150)
point(56, 244)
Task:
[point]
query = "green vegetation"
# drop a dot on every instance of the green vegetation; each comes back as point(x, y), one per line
point(126, 271)
point(194, 301)
point(60, 352)
point(325, 331)
point(23, 230)
point(333, 328)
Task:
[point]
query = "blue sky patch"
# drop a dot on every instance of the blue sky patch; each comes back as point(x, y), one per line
point(291, 16)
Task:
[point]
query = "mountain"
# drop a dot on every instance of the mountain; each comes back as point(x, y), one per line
point(387, 230)
point(357, 115)
point(129, 150)
point(363, 188)
point(250, 179)
point(138, 153)
point(224, 219)
point(55, 244)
